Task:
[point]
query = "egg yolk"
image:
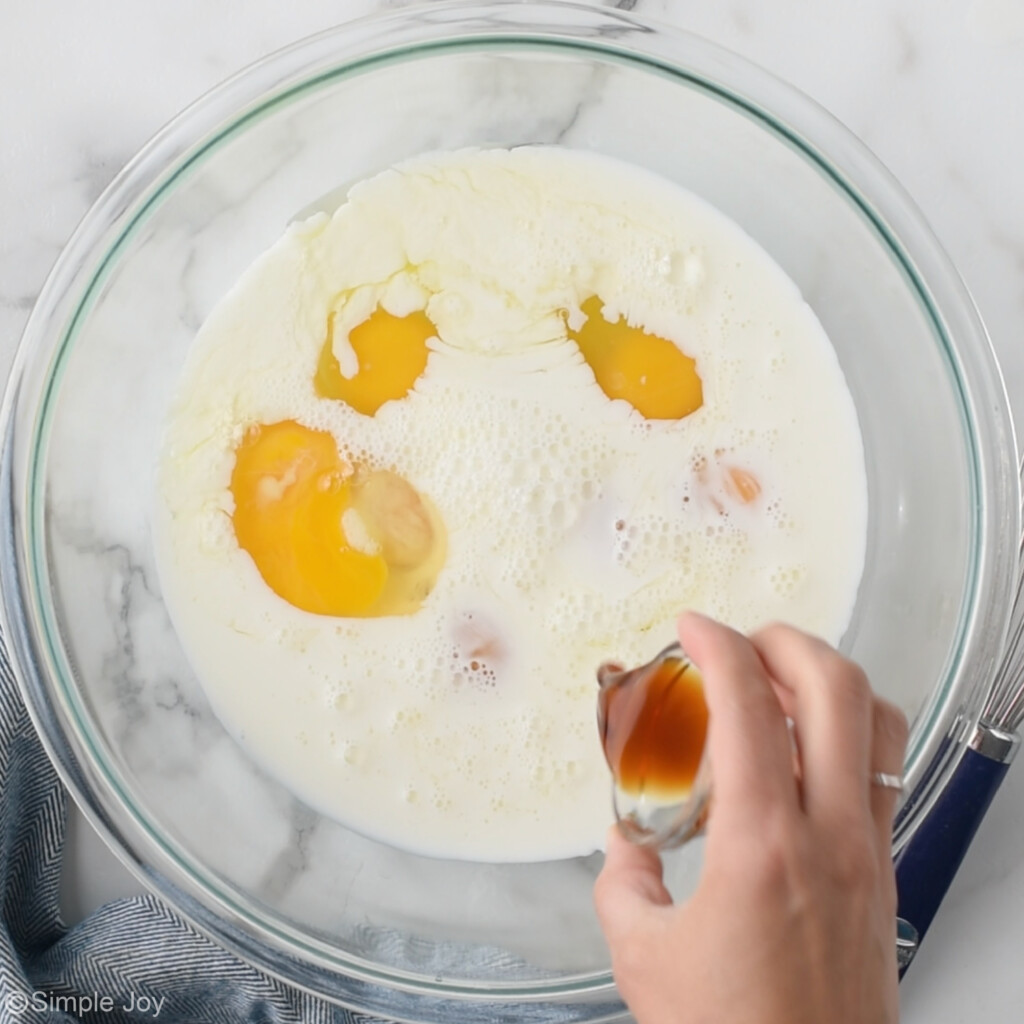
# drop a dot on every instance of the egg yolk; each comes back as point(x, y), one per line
point(721, 483)
point(327, 537)
point(649, 372)
point(391, 352)
point(742, 484)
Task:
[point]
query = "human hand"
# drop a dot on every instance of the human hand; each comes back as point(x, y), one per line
point(794, 917)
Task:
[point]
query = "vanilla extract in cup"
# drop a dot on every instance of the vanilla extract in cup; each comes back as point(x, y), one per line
point(653, 724)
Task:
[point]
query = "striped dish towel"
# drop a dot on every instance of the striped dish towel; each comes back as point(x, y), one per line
point(133, 959)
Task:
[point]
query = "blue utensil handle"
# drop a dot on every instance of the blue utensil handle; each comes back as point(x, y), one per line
point(926, 866)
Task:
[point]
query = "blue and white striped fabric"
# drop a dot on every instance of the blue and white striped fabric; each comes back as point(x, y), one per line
point(133, 959)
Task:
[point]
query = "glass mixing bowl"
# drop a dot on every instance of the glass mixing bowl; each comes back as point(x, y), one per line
point(106, 681)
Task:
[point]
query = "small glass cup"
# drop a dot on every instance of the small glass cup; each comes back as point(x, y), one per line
point(653, 726)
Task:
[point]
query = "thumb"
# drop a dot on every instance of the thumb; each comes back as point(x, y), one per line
point(629, 888)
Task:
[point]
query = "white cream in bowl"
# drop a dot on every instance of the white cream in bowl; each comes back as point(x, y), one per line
point(567, 527)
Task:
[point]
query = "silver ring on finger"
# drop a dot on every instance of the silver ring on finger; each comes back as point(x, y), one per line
point(886, 781)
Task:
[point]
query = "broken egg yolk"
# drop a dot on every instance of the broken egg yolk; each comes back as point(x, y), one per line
point(328, 537)
point(651, 373)
point(391, 353)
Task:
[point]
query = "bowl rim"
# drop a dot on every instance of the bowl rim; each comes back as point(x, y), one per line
point(349, 49)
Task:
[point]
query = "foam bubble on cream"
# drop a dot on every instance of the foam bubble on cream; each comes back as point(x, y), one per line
point(576, 529)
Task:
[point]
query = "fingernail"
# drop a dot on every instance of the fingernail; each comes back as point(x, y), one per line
point(690, 614)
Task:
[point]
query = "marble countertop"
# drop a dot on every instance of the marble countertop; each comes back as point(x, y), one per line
point(929, 85)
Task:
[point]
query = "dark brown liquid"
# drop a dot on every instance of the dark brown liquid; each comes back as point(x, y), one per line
point(653, 725)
